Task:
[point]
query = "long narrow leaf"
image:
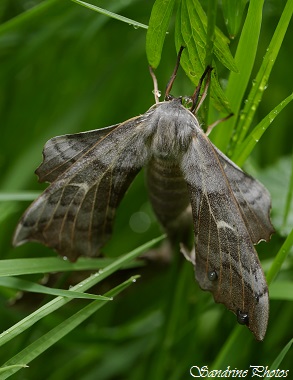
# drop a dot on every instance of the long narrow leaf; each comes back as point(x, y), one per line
point(233, 12)
point(16, 267)
point(19, 196)
point(249, 143)
point(280, 258)
point(280, 357)
point(262, 77)
point(281, 290)
point(238, 82)
point(28, 286)
point(289, 197)
point(47, 340)
point(57, 302)
point(111, 14)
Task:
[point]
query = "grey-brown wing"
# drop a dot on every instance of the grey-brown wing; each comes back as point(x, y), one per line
point(74, 215)
point(61, 152)
point(226, 262)
point(253, 199)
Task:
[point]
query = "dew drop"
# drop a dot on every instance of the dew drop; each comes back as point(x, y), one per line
point(158, 93)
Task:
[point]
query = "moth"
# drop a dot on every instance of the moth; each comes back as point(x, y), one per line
point(189, 181)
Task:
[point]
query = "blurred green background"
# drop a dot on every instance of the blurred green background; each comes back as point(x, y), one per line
point(66, 69)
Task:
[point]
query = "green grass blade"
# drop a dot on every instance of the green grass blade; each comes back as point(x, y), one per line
point(238, 82)
point(281, 290)
point(280, 357)
point(280, 258)
point(228, 347)
point(252, 139)
point(289, 197)
point(18, 196)
point(233, 12)
point(47, 340)
point(25, 17)
point(29, 286)
point(158, 26)
point(111, 14)
point(261, 81)
point(16, 267)
point(57, 302)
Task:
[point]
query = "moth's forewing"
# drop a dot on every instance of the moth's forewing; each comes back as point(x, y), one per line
point(91, 173)
point(226, 262)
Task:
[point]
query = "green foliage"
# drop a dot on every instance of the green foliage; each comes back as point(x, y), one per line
point(69, 66)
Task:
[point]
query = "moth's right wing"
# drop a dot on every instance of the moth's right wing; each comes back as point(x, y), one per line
point(90, 173)
point(253, 199)
point(226, 263)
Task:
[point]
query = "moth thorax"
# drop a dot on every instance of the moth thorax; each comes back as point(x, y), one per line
point(172, 128)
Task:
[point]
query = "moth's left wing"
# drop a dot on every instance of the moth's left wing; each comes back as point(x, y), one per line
point(226, 262)
point(74, 215)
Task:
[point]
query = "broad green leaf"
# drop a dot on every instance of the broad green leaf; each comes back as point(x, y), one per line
point(198, 20)
point(158, 26)
point(211, 27)
point(193, 58)
point(29, 286)
point(49, 339)
point(233, 13)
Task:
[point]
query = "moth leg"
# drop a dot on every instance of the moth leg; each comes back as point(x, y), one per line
point(195, 107)
point(189, 255)
point(173, 76)
point(213, 125)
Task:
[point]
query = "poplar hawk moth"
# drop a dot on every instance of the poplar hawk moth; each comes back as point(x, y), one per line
point(90, 172)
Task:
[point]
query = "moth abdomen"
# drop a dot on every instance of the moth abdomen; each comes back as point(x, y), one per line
point(169, 197)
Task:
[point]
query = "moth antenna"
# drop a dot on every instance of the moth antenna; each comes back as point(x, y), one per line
point(173, 76)
point(156, 91)
point(196, 93)
point(212, 126)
